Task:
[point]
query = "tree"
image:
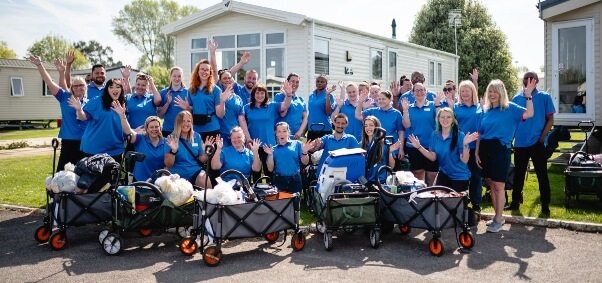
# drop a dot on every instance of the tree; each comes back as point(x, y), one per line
point(96, 53)
point(481, 44)
point(5, 52)
point(52, 47)
point(139, 23)
point(160, 76)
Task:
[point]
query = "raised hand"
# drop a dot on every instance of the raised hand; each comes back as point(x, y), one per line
point(363, 95)
point(115, 106)
point(75, 103)
point(226, 94)
point(246, 57)
point(60, 65)
point(395, 146)
point(474, 76)
point(414, 140)
point(309, 145)
point(338, 100)
point(438, 98)
point(268, 149)
point(331, 89)
point(405, 104)
point(286, 88)
point(531, 85)
point(126, 72)
point(395, 88)
point(219, 142)
point(35, 60)
point(70, 56)
point(254, 144)
point(151, 81)
point(173, 143)
point(212, 45)
point(341, 85)
point(182, 103)
point(168, 97)
point(209, 140)
point(470, 137)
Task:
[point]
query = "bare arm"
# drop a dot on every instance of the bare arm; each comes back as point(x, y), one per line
point(303, 126)
point(256, 166)
point(212, 60)
point(127, 129)
point(154, 91)
point(69, 57)
point(162, 110)
point(270, 152)
point(547, 127)
point(243, 124)
point(287, 89)
point(216, 161)
point(243, 60)
point(327, 99)
point(54, 88)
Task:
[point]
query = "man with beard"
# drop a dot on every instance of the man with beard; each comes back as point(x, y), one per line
point(417, 77)
point(296, 115)
point(335, 141)
point(250, 81)
point(97, 85)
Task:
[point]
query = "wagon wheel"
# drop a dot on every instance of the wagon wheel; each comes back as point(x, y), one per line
point(212, 256)
point(320, 227)
point(58, 240)
point(437, 247)
point(102, 235)
point(374, 238)
point(188, 246)
point(145, 232)
point(404, 229)
point(112, 244)
point(298, 241)
point(42, 233)
point(466, 239)
point(271, 237)
point(328, 241)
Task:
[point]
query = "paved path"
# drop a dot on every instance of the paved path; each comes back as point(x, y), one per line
point(38, 146)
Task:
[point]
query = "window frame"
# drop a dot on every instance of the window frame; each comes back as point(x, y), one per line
point(372, 63)
point(395, 77)
point(316, 39)
point(12, 87)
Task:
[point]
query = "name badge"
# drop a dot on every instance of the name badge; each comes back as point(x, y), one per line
point(427, 109)
point(195, 144)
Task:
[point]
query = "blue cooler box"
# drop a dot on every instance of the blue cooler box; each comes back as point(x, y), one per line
point(352, 159)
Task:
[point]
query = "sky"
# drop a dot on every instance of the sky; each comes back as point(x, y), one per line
point(22, 22)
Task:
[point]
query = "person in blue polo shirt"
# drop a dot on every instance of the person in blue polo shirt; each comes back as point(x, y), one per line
point(296, 115)
point(260, 117)
point(104, 133)
point(72, 129)
point(283, 160)
point(224, 76)
point(142, 104)
point(496, 129)
point(398, 88)
point(347, 106)
point(320, 105)
point(339, 139)
point(389, 117)
point(233, 108)
point(449, 146)
point(379, 154)
point(419, 120)
point(417, 77)
point(529, 142)
point(468, 113)
point(173, 100)
point(96, 87)
point(236, 156)
point(184, 151)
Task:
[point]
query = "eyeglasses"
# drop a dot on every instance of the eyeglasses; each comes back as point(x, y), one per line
point(447, 89)
point(420, 90)
point(78, 86)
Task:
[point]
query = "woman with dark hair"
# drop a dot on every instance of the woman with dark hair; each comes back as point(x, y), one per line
point(142, 104)
point(260, 118)
point(379, 154)
point(104, 133)
point(173, 100)
point(449, 146)
point(320, 104)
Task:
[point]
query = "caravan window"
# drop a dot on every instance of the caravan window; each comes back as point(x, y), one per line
point(45, 90)
point(322, 56)
point(16, 86)
point(376, 60)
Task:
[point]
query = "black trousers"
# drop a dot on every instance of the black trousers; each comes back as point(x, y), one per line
point(537, 154)
point(70, 152)
point(264, 165)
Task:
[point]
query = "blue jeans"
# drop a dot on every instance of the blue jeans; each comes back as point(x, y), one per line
point(475, 189)
point(291, 184)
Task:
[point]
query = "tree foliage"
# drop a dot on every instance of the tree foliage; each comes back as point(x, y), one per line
point(96, 53)
point(481, 44)
point(139, 23)
point(55, 46)
point(160, 76)
point(5, 52)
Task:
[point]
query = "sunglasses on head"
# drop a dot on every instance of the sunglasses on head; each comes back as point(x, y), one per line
point(447, 89)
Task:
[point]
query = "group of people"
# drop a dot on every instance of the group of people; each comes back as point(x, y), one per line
point(451, 138)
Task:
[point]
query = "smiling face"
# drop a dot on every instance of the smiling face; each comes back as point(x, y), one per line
point(141, 86)
point(250, 79)
point(176, 77)
point(369, 127)
point(494, 97)
point(445, 119)
point(259, 96)
point(282, 133)
point(340, 124)
point(383, 101)
point(226, 79)
point(186, 124)
point(115, 90)
point(352, 92)
point(237, 138)
point(407, 86)
point(78, 88)
point(204, 72)
point(99, 75)
point(294, 80)
point(419, 92)
point(153, 129)
point(466, 95)
point(374, 91)
point(449, 91)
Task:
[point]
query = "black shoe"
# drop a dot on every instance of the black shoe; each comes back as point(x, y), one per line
point(545, 209)
point(512, 206)
point(476, 208)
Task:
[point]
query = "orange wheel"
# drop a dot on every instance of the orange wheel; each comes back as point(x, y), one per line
point(466, 240)
point(436, 247)
point(58, 240)
point(188, 246)
point(405, 230)
point(298, 242)
point(42, 234)
point(146, 232)
point(212, 256)
point(271, 237)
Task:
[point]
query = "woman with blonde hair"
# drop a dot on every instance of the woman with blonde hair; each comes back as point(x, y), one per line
point(184, 151)
point(498, 124)
point(173, 100)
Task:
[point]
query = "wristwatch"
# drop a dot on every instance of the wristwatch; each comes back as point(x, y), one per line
point(172, 152)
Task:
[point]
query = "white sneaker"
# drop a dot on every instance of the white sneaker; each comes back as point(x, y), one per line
point(488, 223)
point(495, 227)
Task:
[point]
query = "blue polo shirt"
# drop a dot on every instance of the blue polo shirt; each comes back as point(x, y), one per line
point(203, 103)
point(241, 161)
point(185, 164)
point(371, 174)
point(468, 119)
point(330, 143)
point(390, 119)
point(449, 160)
point(154, 157)
point(286, 158)
point(317, 109)
point(423, 123)
point(139, 108)
point(261, 122)
point(497, 124)
point(242, 91)
point(234, 108)
point(71, 128)
point(294, 114)
point(169, 119)
point(94, 91)
point(355, 126)
point(430, 96)
point(529, 131)
point(104, 133)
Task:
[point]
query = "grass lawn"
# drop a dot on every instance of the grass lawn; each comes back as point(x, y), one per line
point(22, 180)
point(16, 134)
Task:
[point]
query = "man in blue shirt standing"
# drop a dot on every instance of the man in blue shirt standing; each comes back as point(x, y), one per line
point(335, 141)
point(528, 143)
point(97, 85)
